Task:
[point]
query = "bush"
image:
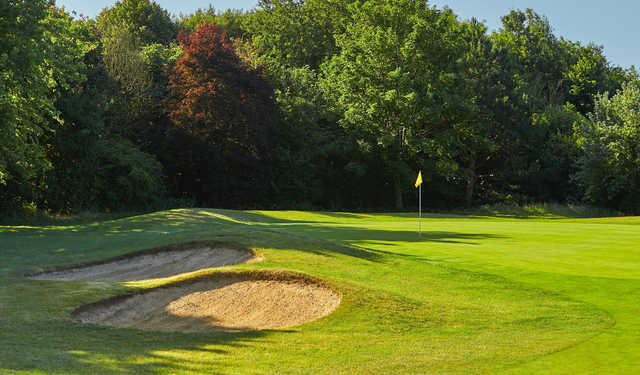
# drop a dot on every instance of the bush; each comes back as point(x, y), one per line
point(114, 176)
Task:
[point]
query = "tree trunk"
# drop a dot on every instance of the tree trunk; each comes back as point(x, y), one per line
point(397, 189)
point(471, 182)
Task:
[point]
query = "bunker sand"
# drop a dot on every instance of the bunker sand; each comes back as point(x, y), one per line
point(225, 301)
point(153, 265)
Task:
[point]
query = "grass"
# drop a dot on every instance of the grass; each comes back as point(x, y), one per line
point(478, 292)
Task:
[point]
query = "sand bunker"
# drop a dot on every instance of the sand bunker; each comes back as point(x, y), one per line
point(223, 301)
point(153, 265)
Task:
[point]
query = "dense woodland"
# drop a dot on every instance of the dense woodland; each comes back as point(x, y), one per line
point(307, 104)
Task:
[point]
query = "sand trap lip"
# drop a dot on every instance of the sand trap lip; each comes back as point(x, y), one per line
point(229, 301)
point(154, 263)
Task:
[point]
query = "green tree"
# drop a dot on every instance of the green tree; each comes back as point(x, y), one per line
point(609, 168)
point(231, 20)
point(92, 169)
point(543, 58)
point(145, 20)
point(138, 48)
point(132, 80)
point(591, 74)
point(548, 176)
point(312, 151)
point(41, 57)
point(297, 33)
point(393, 82)
point(556, 81)
point(24, 99)
point(483, 84)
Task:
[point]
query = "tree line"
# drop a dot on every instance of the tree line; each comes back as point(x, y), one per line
point(307, 104)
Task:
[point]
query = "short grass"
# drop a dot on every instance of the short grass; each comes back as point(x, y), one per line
point(476, 293)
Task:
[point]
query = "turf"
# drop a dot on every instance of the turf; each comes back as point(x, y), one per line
point(473, 294)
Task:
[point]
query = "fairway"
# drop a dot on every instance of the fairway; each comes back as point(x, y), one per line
point(473, 294)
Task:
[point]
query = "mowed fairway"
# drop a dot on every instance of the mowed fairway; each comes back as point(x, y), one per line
point(472, 295)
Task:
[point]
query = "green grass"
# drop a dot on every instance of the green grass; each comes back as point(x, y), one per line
point(485, 292)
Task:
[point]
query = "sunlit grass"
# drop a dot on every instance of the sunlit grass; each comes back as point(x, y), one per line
point(473, 294)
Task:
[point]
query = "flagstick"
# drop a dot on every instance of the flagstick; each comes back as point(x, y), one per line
point(420, 210)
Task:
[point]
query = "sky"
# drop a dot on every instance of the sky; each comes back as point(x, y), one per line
point(612, 24)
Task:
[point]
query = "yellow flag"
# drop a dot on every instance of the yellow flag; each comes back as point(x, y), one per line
point(419, 180)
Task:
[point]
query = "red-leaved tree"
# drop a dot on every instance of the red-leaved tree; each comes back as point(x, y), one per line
point(218, 98)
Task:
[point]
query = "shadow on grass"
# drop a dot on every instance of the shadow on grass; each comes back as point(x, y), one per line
point(101, 350)
point(30, 249)
point(157, 220)
point(351, 235)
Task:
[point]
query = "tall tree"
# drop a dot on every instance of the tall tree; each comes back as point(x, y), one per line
point(40, 57)
point(231, 20)
point(484, 88)
point(92, 169)
point(144, 19)
point(609, 168)
point(24, 96)
point(590, 74)
point(542, 58)
point(297, 33)
point(393, 80)
point(138, 47)
point(217, 97)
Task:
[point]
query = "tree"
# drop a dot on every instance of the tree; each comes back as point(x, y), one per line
point(609, 168)
point(131, 77)
point(40, 57)
point(589, 75)
point(543, 58)
point(218, 98)
point(231, 20)
point(144, 19)
point(91, 168)
point(138, 47)
point(312, 151)
point(483, 83)
point(393, 79)
point(23, 90)
point(297, 33)
point(548, 176)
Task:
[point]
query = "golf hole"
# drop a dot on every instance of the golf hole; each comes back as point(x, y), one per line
point(233, 301)
point(156, 263)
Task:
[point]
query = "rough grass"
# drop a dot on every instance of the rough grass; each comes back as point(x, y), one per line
point(473, 294)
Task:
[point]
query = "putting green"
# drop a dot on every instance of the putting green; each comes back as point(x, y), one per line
point(472, 295)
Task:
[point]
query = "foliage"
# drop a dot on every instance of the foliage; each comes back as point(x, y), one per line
point(312, 152)
point(609, 169)
point(297, 33)
point(144, 20)
point(393, 81)
point(132, 81)
point(548, 176)
point(43, 57)
point(540, 56)
point(24, 99)
point(307, 104)
point(231, 21)
point(136, 37)
point(90, 169)
point(158, 59)
point(478, 138)
point(220, 99)
point(112, 176)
